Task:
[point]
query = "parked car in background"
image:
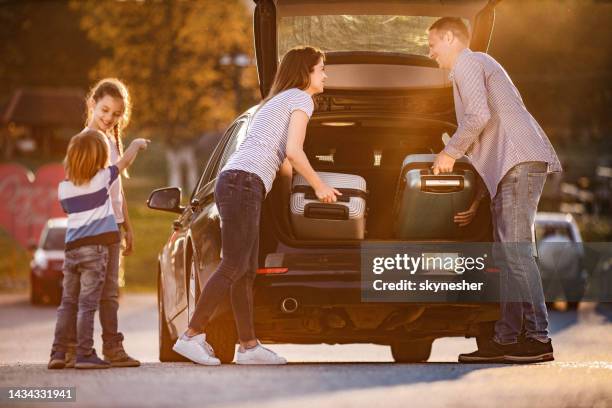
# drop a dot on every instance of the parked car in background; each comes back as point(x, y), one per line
point(46, 265)
point(560, 257)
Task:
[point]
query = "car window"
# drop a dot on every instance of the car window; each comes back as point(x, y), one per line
point(235, 139)
point(228, 143)
point(212, 161)
point(54, 239)
point(553, 230)
point(375, 33)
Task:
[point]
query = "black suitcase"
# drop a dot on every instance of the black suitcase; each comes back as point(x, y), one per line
point(425, 204)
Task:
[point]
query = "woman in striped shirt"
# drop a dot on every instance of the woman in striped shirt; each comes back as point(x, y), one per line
point(274, 142)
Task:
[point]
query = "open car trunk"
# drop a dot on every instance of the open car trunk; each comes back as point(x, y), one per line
point(373, 148)
point(384, 100)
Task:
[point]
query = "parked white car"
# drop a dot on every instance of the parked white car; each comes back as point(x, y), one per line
point(46, 265)
point(560, 257)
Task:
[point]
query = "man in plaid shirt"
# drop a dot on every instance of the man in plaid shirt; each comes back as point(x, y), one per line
point(513, 156)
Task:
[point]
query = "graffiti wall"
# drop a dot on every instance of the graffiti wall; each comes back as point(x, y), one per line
point(28, 200)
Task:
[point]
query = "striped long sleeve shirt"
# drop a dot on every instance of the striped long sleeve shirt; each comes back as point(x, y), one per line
point(494, 129)
point(264, 147)
point(91, 220)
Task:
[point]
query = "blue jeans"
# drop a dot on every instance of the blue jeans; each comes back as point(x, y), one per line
point(84, 273)
point(513, 212)
point(239, 196)
point(109, 301)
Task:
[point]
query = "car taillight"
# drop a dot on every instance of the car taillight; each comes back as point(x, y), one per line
point(56, 265)
point(269, 271)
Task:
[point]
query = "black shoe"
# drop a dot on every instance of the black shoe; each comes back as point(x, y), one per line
point(57, 360)
point(530, 351)
point(490, 352)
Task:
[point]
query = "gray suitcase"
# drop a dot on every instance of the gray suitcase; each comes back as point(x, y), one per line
point(425, 204)
point(345, 219)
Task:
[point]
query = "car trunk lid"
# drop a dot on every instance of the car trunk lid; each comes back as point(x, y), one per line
point(377, 45)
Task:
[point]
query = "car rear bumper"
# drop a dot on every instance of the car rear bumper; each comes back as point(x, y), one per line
point(328, 308)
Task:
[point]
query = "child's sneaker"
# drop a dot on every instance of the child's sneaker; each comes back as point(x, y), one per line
point(117, 357)
point(259, 355)
point(196, 349)
point(57, 360)
point(90, 361)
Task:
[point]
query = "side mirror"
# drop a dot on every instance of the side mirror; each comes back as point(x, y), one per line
point(166, 199)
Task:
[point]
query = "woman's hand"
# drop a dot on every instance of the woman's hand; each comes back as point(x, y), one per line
point(326, 193)
point(464, 218)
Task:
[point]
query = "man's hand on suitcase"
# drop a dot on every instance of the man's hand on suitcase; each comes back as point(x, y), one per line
point(443, 163)
point(464, 218)
point(326, 193)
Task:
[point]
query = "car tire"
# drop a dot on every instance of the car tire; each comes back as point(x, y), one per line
point(166, 354)
point(415, 351)
point(574, 292)
point(222, 336)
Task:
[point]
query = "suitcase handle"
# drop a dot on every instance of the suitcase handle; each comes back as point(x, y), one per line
point(326, 211)
point(442, 183)
point(347, 193)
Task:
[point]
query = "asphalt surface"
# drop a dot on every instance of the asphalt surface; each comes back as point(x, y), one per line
point(317, 375)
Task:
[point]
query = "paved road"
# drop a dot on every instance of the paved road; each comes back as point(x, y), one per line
point(322, 376)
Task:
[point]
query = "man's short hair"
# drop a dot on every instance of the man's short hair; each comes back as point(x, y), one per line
point(454, 25)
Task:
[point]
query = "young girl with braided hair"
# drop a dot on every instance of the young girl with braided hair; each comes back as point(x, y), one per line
point(108, 110)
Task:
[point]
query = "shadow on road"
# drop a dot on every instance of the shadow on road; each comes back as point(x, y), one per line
point(560, 321)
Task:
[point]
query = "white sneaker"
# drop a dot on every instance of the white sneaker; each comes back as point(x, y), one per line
point(259, 355)
point(196, 349)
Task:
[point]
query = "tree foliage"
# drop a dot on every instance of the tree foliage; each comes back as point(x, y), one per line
point(170, 55)
point(42, 45)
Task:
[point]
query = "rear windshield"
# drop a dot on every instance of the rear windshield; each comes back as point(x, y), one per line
point(379, 33)
point(545, 231)
point(54, 240)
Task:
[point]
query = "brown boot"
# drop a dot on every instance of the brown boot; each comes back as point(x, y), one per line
point(117, 356)
point(70, 357)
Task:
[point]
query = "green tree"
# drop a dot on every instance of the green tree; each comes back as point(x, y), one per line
point(42, 45)
point(170, 55)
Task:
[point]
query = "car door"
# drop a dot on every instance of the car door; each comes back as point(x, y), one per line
point(205, 227)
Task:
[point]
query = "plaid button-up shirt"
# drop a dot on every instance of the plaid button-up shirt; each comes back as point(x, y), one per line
point(494, 129)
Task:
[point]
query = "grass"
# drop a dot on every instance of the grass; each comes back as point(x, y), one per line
point(151, 228)
point(14, 264)
point(151, 231)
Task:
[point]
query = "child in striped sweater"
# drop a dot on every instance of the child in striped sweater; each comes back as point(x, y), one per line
point(84, 196)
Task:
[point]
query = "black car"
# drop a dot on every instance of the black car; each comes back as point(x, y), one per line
point(384, 99)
